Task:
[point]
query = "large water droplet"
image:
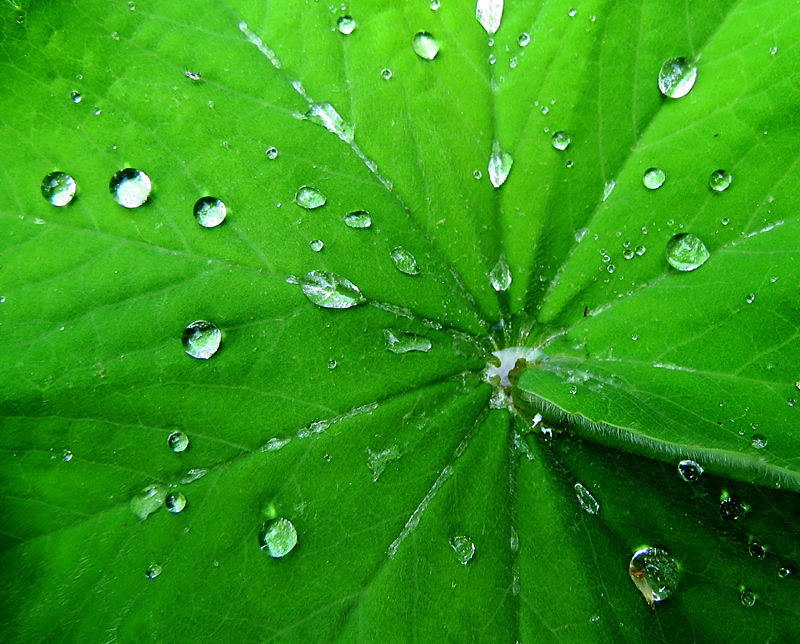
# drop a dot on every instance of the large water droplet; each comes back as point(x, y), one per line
point(345, 25)
point(317, 245)
point(175, 502)
point(330, 291)
point(500, 276)
point(655, 574)
point(358, 219)
point(210, 212)
point(654, 178)
point(587, 501)
point(130, 187)
point(524, 39)
point(720, 180)
point(464, 549)
point(149, 500)
point(404, 261)
point(425, 45)
point(178, 442)
point(561, 140)
point(406, 342)
point(309, 198)
point(75, 96)
point(689, 471)
point(686, 252)
point(499, 165)
point(201, 339)
point(58, 188)
point(677, 77)
point(759, 441)
point(153, 571)
point(748, 599)
point(434, 5)
point(489, 13)
point(278, 537)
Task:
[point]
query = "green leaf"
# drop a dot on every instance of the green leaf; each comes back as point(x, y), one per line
point(472, 406)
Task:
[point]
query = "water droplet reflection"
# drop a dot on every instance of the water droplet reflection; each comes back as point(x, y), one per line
point(201, 339)
point(278, 537)
point(464, 549)
point(425, 45)
point(59, 188)
point(130, 187)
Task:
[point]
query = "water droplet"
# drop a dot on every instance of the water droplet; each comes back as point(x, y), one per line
point(573, 13)
point(130, 187)
point(489, 13)
point(573, 389)
point(97, 111)
point(464, 549)
point(153, 571)
point(720, 180)
point(210, 212)
point(195, 76)
point(75, 96)
point(332, 364)
point(345, 25)
point(640, 250)
point(748, 599)
point(66, 456)
point(750, 298)
point(325, 114)
point(677, 77)
point(611, 268)
point(175, 502)
point(115, 35)
point(759, 441)
point(477, 174)
point(545, 109)
point(272, 153)
point(500, 276)
point(278, 537)
point(773, 50)
point(783, 573)
point(330, 291)
point(201, 339)
point(317, 245)
point(406, 342)
point(404, 261)
point(561, 140)
point(492, 59)
point(730, 509)
point(425, 45)
point(386, 73)
point(358, 219)
point(178, 442)
point(655, 574)
point(627, 253)
point(149, 500)
point(58, 188)
point(689, 471)
point(757, 550)
point(654, 178)
point(587, 501)
point(524, 39)
point(569, 163)
point(434, 5)
point(499, 165)
point(686, 252)
point(309, 198)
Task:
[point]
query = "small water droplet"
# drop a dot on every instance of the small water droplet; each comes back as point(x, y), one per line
point(59, 188)
point(425, 45)
point(115, 35)
point(195, 76)
point(278, 537)
point(655, 574)
point(545, 109)
point(332, 364)
point(66, 456)
point(175, 502)
point(130, 187)
point(627, 253)
point(492, 59)
point(573, 389)
point(757, 550)
point(406, 342)
point(404, 261)
point(783, 573)
point(585, 498)
point(210, 212)
point(634, 336)
point(611, 268)
point(178, 442)
point(499, 165)
point(464, 549)
point(677, 77)
point(358, 219)
point(500, 276)
point(153, 571)
point(759, 441)
point(561, 140)
point(309, 198)
point(489, 13)
point(272, 153)
point(434, 5)
point(75, 96)
point(720, 180)
point(751, 297)
point(569, 163)
point(524, 39)
point(330, 291)
point(149, 500)
point(477, 174)
point(773, 50)
point(97, 111)
point(689, 471)
point(730, 509)
point(573, 13)
point(686, 252)
point(386, 73)
point(346, 25)
point(201, 339)
point(654, 178)
point(317, 245)
point(512, 62)
point(748, 599)
point(726, 221)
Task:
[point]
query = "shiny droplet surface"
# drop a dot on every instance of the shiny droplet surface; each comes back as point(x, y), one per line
point(689, 471)
point(720, 180)
point(677, 77)
point(153, 571)
point(464, 549)
point(272, 153)
point(748, 599)
point(524, 39)
point(655, 574)
point(346, 25)
point(175, 502)
point(759, 441)
point(500, 276)
point(585, 498)
point(654, 178)
point(386, 73)
point(783, 573)
point(561, 140)
point(75, 96)
point(425, 45)
point(149, 500)
point(58, 188)
point(358, 219)
point(499, 165)
point(434, 5)
point(489, 13)
point(398, 342)
point(178, 442)
point(201, 339)
point(686, 252)
point(317, 245)
point(66, 456)
point(209, 211)
point(330, 291)
point(130, 187)
point(309, 198)
point(404, 261)
point(278, 537)
point(757, 550)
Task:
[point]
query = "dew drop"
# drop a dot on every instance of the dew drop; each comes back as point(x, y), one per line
point(330, 291)
point(178, 442)
point(686, 252)
point(492, 59)
point(655, 574)
point(386, 73)
point(332, 364)
point(569, 163)
point(757, 550)
point(406, 342)
point(524, 39)
point(59, 188)
point(195, 76)
point(425, 45)
point(545, 109)
point(148, 501)
point(316, 245)
point(272, 153)
point(512, 62)
point(573, 389)
point(773, 50)
point(201, 339)
point(309, 198)
point(153, 571)
point(175, 502)
point(97, 111)
point(654, 178)
point(751, 297)
point(748, 599)
point(209, 212)
point(500, 276)
point(499, 165)
point(278, 537)
point(731, 509)
point(75, 96)
point(464, 549)
point(783, 573)
point(477, 174)
point(358, 219)
point(627, 253)
point(346, 25)
point(66, 456)
point(587, 501)
point(720, 180)
point(677, 77)
point(434, 5)
point(561, 140)
point(573, 13)
point(130, 187)
point(611, 268)
point(689, 471)
point(404, 261)
point(759, 441)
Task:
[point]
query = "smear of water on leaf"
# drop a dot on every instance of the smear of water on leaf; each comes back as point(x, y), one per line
point(201, 339)
point(278, 537)
point(489, 13)
point(325, 114)
point(58, 188)
point(130, 187)
point(608, 189)
point(425, 45)
point(500, 163)
point(686, 252)
point(330, 291)
point(149, 500)
point(464, 549)
point(377, 461)
point(406, 342)
point(677, 77)
point(585, 498)
point(260, 44)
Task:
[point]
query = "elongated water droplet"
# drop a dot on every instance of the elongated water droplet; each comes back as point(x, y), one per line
point(175, 502)
point(209, 212)
point(130, 187)
point(58, 188)
point(153, 571)
point(358, 219)
point(278, 537)
point(195, 76)
point(689, 471)
point(325, 114)
point(75, 96)
point(330, 291)
point(686, 252)
point(677, 77)
point(524, 39)
point(201, 339)
point(720, 180)
point(309, 198)
point(489, 13)
point(178, 442)
point(425, 45)
point(404, 261)
point(654, 178)
point(346, 25)
point(499, 165)
point(759, 441)
point(587, 501)
point(655, 574)
point(500, 276)
point(149, 500)
point(272, 153)
point(464, 549)
point(406, 342)
point(317, 245)
point(386, 73)
point(561, 140)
